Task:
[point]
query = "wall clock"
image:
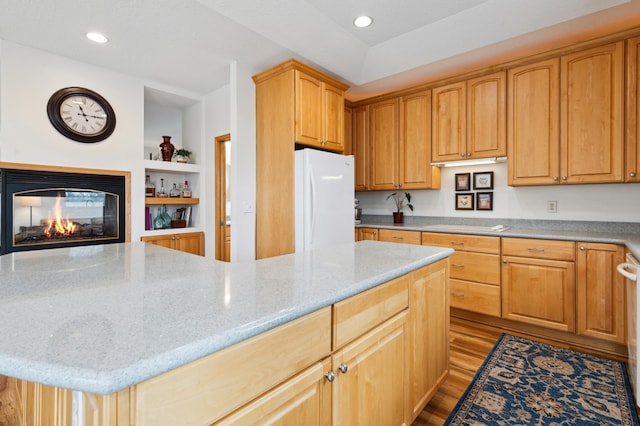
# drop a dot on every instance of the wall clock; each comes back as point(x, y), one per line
point(81, 114)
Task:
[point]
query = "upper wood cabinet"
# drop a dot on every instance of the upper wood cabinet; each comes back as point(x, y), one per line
point(400, 144)
point(592, 115)
point(632, 173)
point(360, 145)
point(469, 119)
point(533, 123)
point(319, 109)
point(295, 104)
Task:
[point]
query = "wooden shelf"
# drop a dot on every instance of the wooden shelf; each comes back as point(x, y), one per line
point(154, 201)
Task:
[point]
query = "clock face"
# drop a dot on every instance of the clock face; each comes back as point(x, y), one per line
point(81, 114)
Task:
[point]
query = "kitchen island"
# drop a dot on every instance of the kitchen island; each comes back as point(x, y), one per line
point(99, 320)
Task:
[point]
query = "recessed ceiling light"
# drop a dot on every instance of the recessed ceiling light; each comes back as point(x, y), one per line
point(97, 37)
point(362, 21)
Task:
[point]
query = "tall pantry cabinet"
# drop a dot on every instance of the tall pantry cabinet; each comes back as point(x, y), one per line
point(295, 105)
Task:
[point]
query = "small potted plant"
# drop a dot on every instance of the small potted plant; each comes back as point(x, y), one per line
point(401, 201)
point(182, 155)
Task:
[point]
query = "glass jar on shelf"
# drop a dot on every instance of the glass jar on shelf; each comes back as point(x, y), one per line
point(149, 188)
point(174, 192)
point(162, 193)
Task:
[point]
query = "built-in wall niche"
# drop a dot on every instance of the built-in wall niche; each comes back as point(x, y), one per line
point(169, 114)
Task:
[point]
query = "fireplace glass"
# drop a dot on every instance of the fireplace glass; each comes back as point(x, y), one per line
point(52, 209)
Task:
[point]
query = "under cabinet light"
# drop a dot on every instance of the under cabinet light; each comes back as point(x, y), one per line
point(474, 162)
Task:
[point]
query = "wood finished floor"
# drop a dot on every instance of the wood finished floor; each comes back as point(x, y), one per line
point(470, 344)
point(469, 347)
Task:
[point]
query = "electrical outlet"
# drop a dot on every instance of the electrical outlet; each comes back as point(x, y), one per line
point(552, 207)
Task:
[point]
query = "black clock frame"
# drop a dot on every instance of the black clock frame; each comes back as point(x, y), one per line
point(53, 111)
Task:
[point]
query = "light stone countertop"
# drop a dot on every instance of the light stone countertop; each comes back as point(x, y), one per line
point(623, 233)
point(102, 318)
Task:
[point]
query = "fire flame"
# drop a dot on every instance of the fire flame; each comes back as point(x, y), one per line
point(59, 226)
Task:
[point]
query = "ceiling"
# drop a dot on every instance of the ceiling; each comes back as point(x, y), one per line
point(190, 44)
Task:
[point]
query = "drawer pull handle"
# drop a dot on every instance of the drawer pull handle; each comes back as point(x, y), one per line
point(458, 295)
point(457, 265)
point(456, 243)
point(331, 376)
point(398, 238)
point(540, 250)
point(343, 368)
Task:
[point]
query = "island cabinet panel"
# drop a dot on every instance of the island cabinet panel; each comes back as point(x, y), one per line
point(303, 400)
point(358, 314)
point(371, 377)
point(533, 123)
point(535, 289)
point(205, 390)
point(428, 335)
point(36, 404)
point(592, 115)
point(600, 292)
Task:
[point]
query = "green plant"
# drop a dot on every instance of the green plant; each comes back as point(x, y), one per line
point(182, 153)
point(401, 200)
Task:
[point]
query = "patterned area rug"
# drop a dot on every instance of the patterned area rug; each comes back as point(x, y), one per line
point(524, 382)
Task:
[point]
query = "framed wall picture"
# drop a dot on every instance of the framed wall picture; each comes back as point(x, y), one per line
point(463, 181)
point(484, 200)
point(483, 180)
point(464, 201)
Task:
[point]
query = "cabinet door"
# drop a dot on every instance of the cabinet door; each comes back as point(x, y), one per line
point(395, 236)
point(600, 292)
point(302, 400)
point(308, 106)
point(533, 124)
point(415, 141)
point(361, 147)
point(486, 116)
point(159, 240)
point(371, 377)
point(448, 123)
point(540, 292)
point(593, 115)
point(192, 242)
point(368, 234)
point(383, 119)
point(428, 335)
point(632, 173)
point(332, 118)
point(348, 131)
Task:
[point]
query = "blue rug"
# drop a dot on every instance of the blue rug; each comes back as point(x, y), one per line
point(523, 382)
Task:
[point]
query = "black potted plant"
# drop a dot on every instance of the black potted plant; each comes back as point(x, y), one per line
point(401, 200)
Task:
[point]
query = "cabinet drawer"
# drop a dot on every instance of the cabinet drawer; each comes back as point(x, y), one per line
point(540, 249)
point(484, 268)
point(475, 243)
point(475, 297)
point(358, 314)
point(207, 389)
point(393, 236)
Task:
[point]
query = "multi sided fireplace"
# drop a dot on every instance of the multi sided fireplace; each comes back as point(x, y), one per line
point(45, 209)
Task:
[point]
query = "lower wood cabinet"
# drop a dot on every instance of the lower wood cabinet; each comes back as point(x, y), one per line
point(190, 242)
point(367, 234)
point(538, 282)
point(396, 236)
point(600, 292)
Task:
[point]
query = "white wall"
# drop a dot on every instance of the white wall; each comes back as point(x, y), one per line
point(603, 202)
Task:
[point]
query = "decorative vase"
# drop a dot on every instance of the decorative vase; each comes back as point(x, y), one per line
point(398, 217)
point(166, 148)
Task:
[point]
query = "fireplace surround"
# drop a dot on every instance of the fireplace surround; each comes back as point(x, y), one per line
point(61, 208)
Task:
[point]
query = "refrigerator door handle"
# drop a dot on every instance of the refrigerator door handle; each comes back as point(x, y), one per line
point(312, 203)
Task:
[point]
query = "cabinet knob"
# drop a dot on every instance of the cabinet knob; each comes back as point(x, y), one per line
point(331, 376)
point(504, 261)
point(564, 178)
point(462, 154)
point(468, 154)
point(582, 248)
point(555, 178)
point(632, 174)
point(343, 368)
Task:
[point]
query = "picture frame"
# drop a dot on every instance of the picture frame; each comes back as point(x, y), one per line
point(464, 201)
point(483, 180)
point(463, 181)
point(484, 200)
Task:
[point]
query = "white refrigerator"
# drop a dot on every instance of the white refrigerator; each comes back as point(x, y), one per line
point(324, 199)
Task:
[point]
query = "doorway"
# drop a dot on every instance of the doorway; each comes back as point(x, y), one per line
point(223, 197)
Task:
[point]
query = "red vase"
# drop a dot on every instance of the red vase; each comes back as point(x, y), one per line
point(398, 217)
point(166, 148)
